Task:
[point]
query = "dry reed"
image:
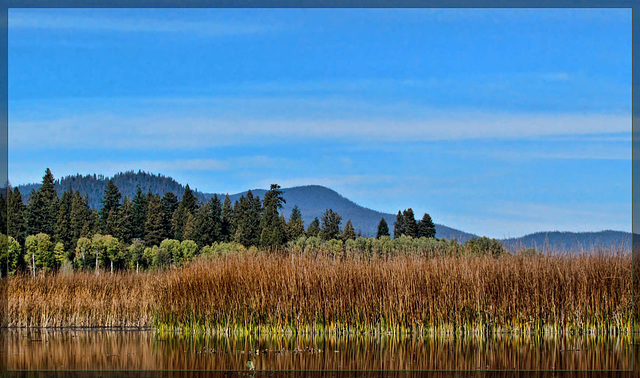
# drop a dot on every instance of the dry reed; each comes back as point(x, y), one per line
point(266, 292)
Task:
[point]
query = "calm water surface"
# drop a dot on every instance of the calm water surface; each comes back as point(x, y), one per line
point(146, 350)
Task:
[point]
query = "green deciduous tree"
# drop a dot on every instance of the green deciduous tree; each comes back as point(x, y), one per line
point(39, 256)
point(15, 257)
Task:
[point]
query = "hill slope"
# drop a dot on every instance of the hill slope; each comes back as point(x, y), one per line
point(572, 240)
point(313, 200)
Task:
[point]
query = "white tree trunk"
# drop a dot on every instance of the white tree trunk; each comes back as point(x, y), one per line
point(33, 264)
point(112, 267)
point(137, 267)
point(97, 263)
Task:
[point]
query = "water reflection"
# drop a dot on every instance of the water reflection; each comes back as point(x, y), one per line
point(145, 350)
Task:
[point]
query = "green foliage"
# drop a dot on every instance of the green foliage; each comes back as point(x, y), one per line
point(409, 225)
point(227, 218)
point(314, 228)
point(84, 254)
point(15, 216)
point(208, 222)
point(295, 226)
point(426, 227)
point(188, 250)
point(484, 246)
point(154, 227)
point(125, 222)
point(273, 233)
point(63, 230)
point(349, 233)
point(247, 218)
point(39, 256)
point(330, 225)
point(184, 214)
point(138, 213)
point(14, 254)
point(383, 229)
point(109, 212)
point(169, 205)
point(136, 258)
point(42, 210)
point(398, 226)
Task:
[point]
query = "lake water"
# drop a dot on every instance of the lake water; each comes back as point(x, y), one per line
point(146, 350)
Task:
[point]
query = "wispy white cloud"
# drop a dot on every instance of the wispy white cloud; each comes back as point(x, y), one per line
point(102, 21)
point(175, 132)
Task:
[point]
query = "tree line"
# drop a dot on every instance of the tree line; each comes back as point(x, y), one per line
point(50, 231)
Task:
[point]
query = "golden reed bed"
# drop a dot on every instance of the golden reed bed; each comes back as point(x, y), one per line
point(269, 292)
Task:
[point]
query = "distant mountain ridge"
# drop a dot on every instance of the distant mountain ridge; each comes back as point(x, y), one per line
point(313, 200)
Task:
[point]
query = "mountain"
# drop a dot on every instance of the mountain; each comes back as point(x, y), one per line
point(571, 241)
point(313, 200)
point(128, 182)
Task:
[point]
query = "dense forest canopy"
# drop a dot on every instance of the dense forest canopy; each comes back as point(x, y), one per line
point(145, 228)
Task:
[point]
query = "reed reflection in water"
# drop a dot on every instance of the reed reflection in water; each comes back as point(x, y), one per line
point(147, 350)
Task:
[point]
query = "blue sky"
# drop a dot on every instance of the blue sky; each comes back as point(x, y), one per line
point(498, 122)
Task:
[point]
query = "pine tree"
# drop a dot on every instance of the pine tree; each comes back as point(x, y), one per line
point(228, 226)
point(4, 193)
point(15, 216)
point(188, 231)
point(247, 217)
point(42, 209)
point(410, 227)
point(139, 214)
point(383, 229)
point(154, 227)
point(126, 224)
point(349, 233)
point(208, 223)
point(82, 218)
point(63, 231)
point(330, 225)
point(188, 206)
point(295, 227)
point(314, 228)
point(273, 231)
point(426, 228)
point(169, 206)
point(398, 226)
point(110, 208)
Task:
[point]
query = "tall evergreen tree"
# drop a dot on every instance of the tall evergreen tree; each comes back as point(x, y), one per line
point(273, 229)
point(349, 233)
point(426, 227)
point(228, 226)
point(4, 193)
point(15, 216)
point(126, 224)
point(295, 227)
point(383, 229)
point(154, 227)
point(110, 210)
point(63, 230)
point(410, 227)
point(247, 218)
point(188, 205)
point(139, 214)
point(330, 225)
point(82, 218)
point(398, 226)
point(208, 223)
point(42, 209)
point(169, 206)
point(314, 228)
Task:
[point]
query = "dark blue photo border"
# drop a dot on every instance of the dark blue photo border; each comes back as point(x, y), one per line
point(635, 208)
